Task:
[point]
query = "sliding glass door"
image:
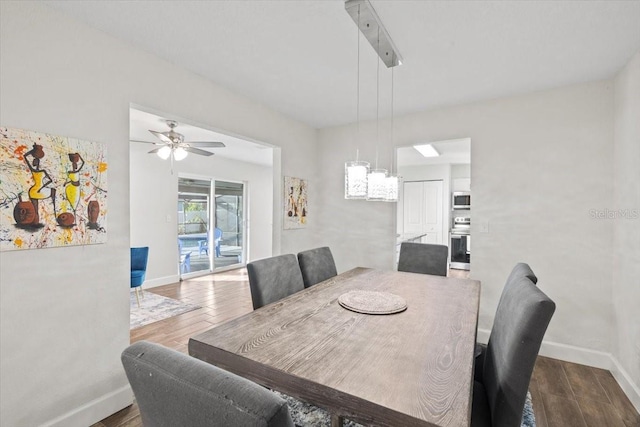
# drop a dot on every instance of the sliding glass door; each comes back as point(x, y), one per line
point(211, 225)
point(194, 225)
point(230, 224)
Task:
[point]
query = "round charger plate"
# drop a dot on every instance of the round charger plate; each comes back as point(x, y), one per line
point(370, 302)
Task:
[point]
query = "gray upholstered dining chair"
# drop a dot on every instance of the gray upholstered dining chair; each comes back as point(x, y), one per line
point(520, 270)
point(316, 265)
point(272, 279)
point(424, 258)
point(500, 389)
point(174, 389)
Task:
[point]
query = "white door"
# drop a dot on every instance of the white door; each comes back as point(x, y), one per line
point(433, 212)
point(413, 200)
point(422, 210)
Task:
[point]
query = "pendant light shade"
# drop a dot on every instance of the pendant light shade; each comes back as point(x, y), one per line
point(355, 179)
point(376, 189)
point(391, 184)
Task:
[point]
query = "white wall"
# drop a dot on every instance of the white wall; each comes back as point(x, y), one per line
point(360, 233)
point(539, 164)
point(154, 192)
point(626, 243)
point(460, 171)
point(64, 313)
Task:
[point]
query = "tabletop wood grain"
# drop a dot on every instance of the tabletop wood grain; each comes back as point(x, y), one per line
point(413, 368)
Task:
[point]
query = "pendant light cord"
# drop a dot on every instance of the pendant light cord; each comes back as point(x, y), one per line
point(393, 149)
point(378, 101)
point(358, 93)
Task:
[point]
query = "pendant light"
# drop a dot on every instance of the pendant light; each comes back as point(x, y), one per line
point(355, 172)
point(360, 181)
point(392, 182)
point(376, 179)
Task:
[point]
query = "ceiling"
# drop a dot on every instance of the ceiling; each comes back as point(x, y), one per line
point(300, 57)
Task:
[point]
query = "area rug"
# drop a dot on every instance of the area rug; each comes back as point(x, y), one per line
point(306, 415)
point(154, 307)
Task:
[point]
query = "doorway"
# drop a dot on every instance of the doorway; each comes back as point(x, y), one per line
point(425, 211)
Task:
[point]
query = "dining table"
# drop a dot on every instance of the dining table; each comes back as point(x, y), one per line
point(409, 368)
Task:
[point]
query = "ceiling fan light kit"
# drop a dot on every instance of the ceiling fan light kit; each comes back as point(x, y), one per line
point(164, 152)
point(360, 181)
point(179, 153)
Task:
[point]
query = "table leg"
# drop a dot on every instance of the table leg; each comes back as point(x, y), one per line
point(336, 420)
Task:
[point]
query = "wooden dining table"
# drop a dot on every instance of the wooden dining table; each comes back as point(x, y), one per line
point(412, 368)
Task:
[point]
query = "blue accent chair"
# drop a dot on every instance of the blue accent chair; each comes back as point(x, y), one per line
point(139, 258)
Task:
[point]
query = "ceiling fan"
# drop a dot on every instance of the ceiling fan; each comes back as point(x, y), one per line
point(172, 144)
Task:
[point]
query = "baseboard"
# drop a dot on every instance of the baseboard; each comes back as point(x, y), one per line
point(627, 385)
point(95, 410)
point(580, 355)
point(166, 280)
point(175, 278)
point(584, 356)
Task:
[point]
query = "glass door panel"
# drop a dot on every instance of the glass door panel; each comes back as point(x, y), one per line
point(229, 229)
point(194, 226)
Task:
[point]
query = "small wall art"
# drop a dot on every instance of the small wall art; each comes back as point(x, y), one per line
point(53, 191)
point(295, 203)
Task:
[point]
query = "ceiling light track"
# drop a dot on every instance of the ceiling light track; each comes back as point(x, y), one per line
point(371, 27)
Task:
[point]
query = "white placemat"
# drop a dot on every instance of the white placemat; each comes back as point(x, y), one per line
point(371, 302)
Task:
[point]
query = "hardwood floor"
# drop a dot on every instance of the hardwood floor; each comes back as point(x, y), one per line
point(564, 394)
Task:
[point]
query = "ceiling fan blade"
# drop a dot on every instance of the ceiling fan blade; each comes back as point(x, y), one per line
point(198, 151)
point(155, 150)
point(161, 136)
point(205, 144)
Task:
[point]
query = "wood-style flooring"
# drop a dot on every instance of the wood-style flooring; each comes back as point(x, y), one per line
point(564, 394)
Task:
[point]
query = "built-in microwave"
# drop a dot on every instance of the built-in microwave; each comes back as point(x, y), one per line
point(461, 200)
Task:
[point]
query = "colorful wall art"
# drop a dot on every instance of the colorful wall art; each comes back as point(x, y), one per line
point(53, 191)
point(295, 203)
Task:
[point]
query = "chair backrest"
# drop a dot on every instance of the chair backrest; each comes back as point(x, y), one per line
point(173, 389)
point(522, 317)
point(217, 234)
point(316, 265)
point(185, 265)
point(423, 258)
point(272, 279)
point(139, 258)
point(522, 269)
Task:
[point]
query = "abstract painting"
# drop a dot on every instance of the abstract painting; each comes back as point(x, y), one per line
point(53, 191)
point(295, 205)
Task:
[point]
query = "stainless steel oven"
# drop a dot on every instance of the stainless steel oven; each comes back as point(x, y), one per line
point(460, 250)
